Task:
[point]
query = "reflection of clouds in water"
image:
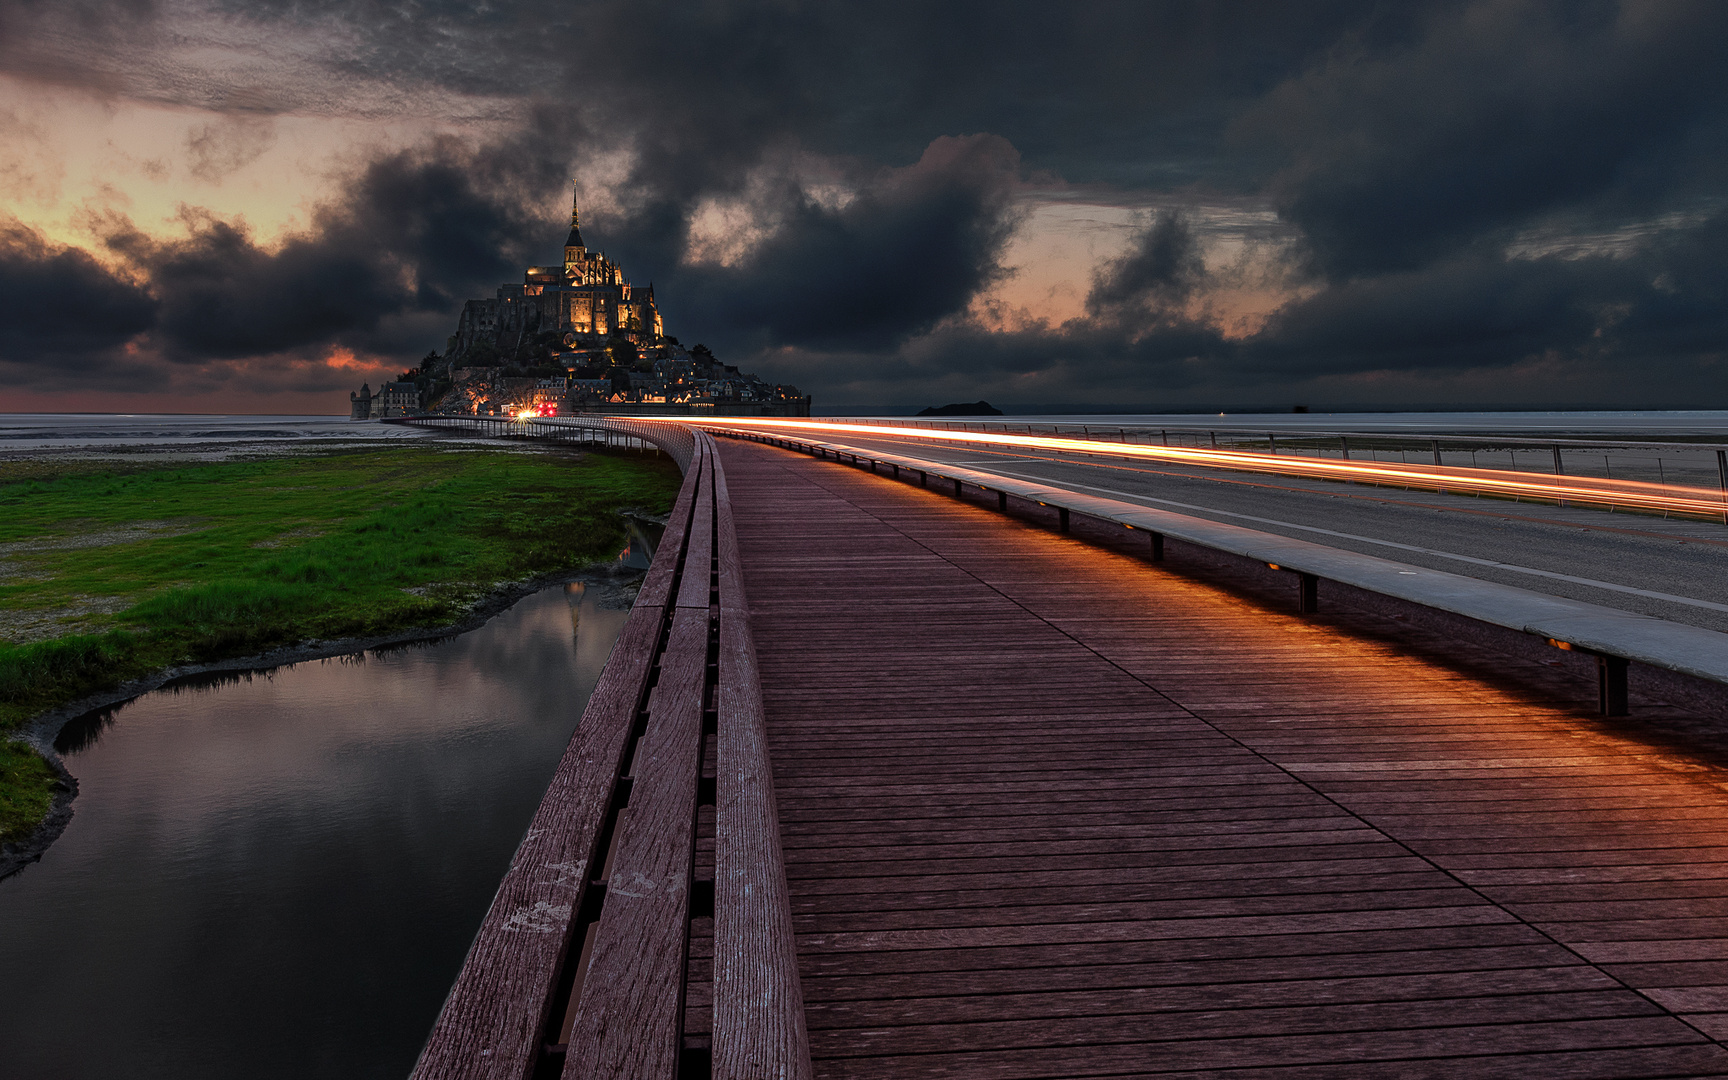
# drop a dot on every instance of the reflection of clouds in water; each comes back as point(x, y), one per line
point(329, 830)
point(246, 728)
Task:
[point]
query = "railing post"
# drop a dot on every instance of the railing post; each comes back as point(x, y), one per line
point(1722, 478)
point(1002, 501)
point(1611, 696)
point(956, 488)
point(1307, 593)
point(1157, 547)
point(1559, 469)
point(1062, 519)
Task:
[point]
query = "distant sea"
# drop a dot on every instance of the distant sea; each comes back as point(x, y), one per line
point(93, 431)
point(37, 431)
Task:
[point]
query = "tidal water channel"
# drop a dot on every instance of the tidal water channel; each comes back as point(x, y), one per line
point(278, 875)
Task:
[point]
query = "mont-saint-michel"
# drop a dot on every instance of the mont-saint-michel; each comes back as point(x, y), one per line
point(1240, 587)
point(578, 337)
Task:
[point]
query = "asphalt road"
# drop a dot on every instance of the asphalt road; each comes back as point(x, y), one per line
point(1670, 569)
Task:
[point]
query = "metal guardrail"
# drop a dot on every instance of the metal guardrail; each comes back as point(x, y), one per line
point(1614, 638)
point(673, 438)
point(1680, 477)
point(1689, 467)
point(1162, 432)
point(581, 968)
point(1610, 492)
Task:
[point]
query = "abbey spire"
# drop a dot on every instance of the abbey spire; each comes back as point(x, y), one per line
point(574, 250)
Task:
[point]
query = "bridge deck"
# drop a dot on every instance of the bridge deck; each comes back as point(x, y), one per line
point(1049, 810)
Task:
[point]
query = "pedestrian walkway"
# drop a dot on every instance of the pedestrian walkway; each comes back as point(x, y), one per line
point(1051, 811)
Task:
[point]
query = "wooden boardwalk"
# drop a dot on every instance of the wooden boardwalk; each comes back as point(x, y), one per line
point(1051, 811)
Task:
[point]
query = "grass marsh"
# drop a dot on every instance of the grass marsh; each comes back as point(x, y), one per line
point(109, 575)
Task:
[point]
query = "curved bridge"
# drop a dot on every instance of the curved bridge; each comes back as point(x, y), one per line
point(878, 783)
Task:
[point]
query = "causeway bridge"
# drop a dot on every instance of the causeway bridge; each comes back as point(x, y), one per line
point(902, 768)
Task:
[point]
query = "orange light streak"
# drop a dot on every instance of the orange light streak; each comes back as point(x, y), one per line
point(1631, 494)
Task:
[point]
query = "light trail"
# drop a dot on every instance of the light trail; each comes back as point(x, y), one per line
point(1632, 494)
point(1594, 583)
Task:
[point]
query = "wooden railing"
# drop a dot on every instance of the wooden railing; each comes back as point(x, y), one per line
point(582, 967)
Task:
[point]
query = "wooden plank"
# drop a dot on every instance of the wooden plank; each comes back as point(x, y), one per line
point(759, 1024)
point(1022, 781)
point(628, 1022)
point(695, 588)
point(497, 1013)
point(656, 590)
point(492, 1022)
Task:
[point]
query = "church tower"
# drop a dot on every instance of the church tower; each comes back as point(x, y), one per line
point(575, 254)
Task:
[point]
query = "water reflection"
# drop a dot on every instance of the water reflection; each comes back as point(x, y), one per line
point(277, 874)
point(644, 534)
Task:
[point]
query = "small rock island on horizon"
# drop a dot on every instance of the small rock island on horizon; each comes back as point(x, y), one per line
point(976, 408)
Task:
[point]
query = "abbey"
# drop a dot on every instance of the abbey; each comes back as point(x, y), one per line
point(574, 338)
point(586, 298)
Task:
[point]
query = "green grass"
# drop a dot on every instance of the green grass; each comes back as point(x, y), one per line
point(109, 576)
point(26, 788)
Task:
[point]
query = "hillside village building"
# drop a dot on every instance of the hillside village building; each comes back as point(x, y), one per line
point(392, 399)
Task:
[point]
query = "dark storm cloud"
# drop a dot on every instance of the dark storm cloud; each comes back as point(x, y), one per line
point(415, 231)
point(913, 247)
point(216, 149)
point(61, 308)
point(1162, 268)
point(412, 234)
point(1685, 309)
point(1465, 312)
point(1082, 90)
point(1413, 149)
point(1109, 361)
point(1646, 326)
point(1499, 114)
point(1137, 337)
point(1408, 144)
point(708, 97)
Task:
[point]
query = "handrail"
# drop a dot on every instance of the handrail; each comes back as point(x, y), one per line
point(675, 439)
point(1253, 433)
point(759, 1029)
point(579, 968)
point(1613, 636)
point(1564, 489)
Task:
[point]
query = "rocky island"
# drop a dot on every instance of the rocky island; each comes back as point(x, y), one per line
point(568, 339)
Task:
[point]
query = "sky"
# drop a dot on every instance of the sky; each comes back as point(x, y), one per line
point(236, 206)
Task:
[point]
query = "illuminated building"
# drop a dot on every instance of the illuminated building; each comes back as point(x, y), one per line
point(586, 297)
point(392, 399)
